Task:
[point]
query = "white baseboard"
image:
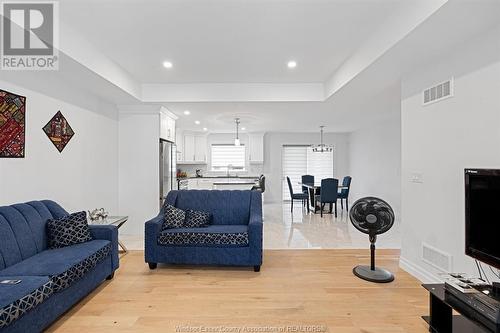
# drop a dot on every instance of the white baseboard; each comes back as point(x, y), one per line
point(418, 272)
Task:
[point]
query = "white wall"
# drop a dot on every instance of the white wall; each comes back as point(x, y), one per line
point(139, 161)
point(273, 145)
point(439, 141)
point(82, 177)
point(375, 158)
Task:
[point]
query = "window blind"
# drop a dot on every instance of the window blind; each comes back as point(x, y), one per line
point(294, 161)
point(320, 165)
point(224, 155)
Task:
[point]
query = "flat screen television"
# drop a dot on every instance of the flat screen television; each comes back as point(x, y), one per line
point(482, 215)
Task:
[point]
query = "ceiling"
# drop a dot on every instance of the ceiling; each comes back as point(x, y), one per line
point(228, 41)
point(240, 42)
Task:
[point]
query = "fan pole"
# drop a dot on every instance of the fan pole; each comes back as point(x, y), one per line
point(373, 239)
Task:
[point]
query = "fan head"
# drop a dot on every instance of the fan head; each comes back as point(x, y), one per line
point(372, 216)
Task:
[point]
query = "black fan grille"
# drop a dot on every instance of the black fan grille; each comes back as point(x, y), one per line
point(372, 215)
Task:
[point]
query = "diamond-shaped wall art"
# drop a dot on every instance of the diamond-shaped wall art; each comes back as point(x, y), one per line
point(59, 131)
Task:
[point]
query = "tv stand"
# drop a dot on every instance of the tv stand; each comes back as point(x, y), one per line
point(495, 288)
point(442, 320)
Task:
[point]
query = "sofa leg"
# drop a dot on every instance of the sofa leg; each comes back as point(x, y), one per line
point(152, 265)
point(256, 268)
point(110, 276)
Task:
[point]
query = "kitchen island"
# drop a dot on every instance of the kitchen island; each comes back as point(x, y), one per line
point(234, 184)
point(219, 183)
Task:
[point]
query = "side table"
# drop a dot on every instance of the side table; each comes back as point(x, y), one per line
point(117, 221)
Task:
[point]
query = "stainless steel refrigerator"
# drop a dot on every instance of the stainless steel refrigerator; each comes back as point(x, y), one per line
point(168, 169)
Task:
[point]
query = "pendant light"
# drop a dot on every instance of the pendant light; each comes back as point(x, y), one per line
point(237, 140)
point(322, 148)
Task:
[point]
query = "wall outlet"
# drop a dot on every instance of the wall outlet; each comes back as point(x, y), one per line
point(417, 177)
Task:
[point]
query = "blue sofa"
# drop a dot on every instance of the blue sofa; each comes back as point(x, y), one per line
point(234, 237)
point(52, 280)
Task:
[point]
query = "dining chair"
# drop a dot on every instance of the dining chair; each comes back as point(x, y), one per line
point(307, 179)
point(344, 193)
point(304, 197)
point(329, 194)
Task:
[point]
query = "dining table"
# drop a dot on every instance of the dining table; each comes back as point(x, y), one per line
point(313, 189)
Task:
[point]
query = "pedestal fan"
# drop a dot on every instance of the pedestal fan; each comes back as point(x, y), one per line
point(372, 216)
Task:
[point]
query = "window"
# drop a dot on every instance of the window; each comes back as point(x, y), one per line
point(301, 160)
point(224, 156)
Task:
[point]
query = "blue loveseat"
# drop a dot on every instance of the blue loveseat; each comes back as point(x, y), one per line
point(52, 280)
point(234, 237)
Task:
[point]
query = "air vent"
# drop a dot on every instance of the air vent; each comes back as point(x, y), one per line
point(439, 92)
point(437, 258)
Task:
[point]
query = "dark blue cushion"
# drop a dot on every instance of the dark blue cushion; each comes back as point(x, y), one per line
point(54, 208)
point(22, 229)
point(226, 207)
point(8, 245)
point(55, 261)
point(300, 196)
point(213, 235)
point(17, 299)
point(68, 230)
point(36, 216)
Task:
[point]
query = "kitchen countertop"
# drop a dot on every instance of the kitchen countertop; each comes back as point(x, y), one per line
point(234, 182)
point(221, 177)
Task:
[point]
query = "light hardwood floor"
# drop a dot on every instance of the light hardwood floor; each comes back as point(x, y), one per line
point(294, 288)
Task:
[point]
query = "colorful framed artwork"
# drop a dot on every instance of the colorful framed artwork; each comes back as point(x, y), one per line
point(12, 124)
point(59, 131)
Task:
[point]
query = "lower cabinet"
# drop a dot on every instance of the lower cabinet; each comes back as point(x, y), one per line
point(200, 184)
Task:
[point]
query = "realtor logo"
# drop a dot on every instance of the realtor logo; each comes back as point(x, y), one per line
point(29, 35)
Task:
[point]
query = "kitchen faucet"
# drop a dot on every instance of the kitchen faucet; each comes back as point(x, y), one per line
point(229, 166)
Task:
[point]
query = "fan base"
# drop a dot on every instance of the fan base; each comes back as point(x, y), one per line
point(379, 275)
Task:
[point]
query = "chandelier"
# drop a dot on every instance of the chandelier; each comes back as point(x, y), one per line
point(237, 139)
point(322, 148)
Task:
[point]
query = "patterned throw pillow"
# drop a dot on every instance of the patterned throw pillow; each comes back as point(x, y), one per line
point(195, 219)
point(173, 218)
point(68, 230)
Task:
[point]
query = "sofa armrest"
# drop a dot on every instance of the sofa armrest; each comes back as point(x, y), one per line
point(152, 229)
point(153, 226)
point(255, 227)
point(107, 232)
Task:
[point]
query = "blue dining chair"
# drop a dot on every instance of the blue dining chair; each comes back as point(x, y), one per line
point(344, 193)
point(307, 179)
point(329, 194)
point(304, 197)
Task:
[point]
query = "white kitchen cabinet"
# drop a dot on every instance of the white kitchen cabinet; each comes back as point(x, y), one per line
point(171, 129)
point(192, 184)
point(189, 148)
point(200, 148)
point(256, 147)
point(167, 127)
point(194, 149)
point(179, 142)
point(205, 184)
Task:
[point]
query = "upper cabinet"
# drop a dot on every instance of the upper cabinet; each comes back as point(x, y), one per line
point(256, 147)
point(167, 127)
point(179, 142)
point(200, 148)
point(193, 149)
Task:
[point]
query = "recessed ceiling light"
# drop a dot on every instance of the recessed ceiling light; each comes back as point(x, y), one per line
point(243, 128)
point(187, 112)
point(197, 122)
point(205, 129)
point(167, 64)
point(292, 64)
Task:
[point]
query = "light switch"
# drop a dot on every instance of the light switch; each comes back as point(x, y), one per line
point(417, 177)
